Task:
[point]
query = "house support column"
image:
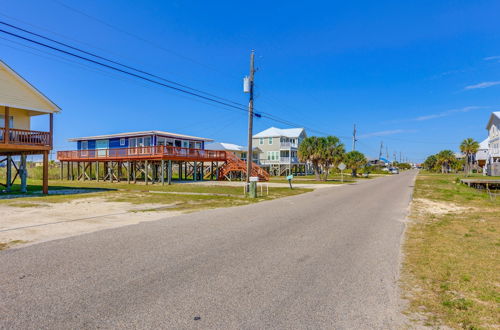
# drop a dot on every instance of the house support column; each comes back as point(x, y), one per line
point(128, 172)
point(162, 172)
point(146, 171)
point(169, 172)
point(195, 171)
point(61, 170)
point(8, 183)
point(45, 179)
point(23, 173)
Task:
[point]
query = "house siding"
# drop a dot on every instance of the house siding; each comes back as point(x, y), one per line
point(114, 143)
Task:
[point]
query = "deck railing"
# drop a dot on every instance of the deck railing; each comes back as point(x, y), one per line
point(142, 153)
point(25, 137)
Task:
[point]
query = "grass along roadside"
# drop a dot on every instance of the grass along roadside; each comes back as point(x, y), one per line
point(183, 196)
point(451, 271)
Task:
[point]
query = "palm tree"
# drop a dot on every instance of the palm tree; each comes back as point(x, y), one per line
point(310, 151)
point(355, 160)
point(444, 159)
point(469, 147)
point(332, 151)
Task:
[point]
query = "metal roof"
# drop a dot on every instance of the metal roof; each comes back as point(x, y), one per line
point(275, 132)
point(140, 133)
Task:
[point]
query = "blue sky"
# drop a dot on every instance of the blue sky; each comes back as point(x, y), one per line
point(418, 75)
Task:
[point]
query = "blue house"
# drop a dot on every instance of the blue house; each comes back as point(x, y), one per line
point(139, 139)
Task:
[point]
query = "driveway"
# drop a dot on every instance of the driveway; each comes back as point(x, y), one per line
point(328, 259)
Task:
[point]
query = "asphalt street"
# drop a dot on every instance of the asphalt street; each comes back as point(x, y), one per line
point(328, 259)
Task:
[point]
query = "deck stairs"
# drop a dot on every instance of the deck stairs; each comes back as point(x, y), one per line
point(234, 164)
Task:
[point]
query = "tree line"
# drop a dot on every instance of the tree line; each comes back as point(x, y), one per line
point(446, 161)
point(326, 153)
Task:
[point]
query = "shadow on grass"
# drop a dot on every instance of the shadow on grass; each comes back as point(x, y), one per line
point(35, 190)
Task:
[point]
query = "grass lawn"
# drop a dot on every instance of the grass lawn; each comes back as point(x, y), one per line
point(332, 179)
point(451, 271)
point(177, 196)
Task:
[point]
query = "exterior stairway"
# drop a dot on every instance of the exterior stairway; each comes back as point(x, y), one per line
point(234, 164)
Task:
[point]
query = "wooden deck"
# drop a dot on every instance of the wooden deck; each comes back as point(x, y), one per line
point(142, 153)
point(26, 141)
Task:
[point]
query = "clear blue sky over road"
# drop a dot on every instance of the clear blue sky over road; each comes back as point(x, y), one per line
point(418, 75)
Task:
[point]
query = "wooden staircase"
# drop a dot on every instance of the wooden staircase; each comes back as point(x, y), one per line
point(234, 164)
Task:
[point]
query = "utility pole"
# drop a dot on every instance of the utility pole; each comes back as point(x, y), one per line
point(249, 89)
point(380, 152)
point(386, 152)
point(400, 157)
point(354, 138)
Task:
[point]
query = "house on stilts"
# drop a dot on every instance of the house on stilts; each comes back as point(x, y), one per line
point(19, 101)
point(149, 157)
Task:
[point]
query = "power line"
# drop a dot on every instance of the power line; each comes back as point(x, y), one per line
point(138, 37)
point(119, 70)
point(108, 66)
point(115, 62)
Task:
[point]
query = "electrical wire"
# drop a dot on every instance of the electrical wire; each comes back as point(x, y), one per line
point(115, 62)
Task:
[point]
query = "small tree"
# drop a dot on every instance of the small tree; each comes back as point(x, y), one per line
point(354, 161)
point(430, 163)
point(445, 159)
point(332, 153)
point(469, 147)
point(310, 151)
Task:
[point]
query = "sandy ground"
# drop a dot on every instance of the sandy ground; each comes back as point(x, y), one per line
point(424, 205)
point(58, 220)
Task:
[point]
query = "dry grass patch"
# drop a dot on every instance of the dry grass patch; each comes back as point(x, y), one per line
point(451, 268)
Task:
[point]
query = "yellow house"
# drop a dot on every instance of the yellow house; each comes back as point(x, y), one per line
point(19, 101)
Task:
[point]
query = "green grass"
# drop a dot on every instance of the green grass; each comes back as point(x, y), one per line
point(451, 271)
point(140, 193)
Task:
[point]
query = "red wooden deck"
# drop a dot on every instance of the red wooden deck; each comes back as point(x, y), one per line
point(143, 153)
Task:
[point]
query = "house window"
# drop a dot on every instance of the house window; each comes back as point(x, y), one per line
point(261, 141)
point(272, 155)
point(197, 145)
point(270, 140)
point(2, 121)
point(243, 155)
point(122, 142)
point(84, 147)
point(185, 144)
point(160, 141)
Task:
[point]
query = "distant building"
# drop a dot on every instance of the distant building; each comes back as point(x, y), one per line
point(481, 155)
point(493, 127)
point(280, 149)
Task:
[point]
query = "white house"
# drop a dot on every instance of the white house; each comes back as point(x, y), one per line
point(279, 149)
point(493, 127)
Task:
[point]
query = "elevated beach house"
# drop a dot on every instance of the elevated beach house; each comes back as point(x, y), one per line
point(147, 156)
point(19, 102)
point(280, 150)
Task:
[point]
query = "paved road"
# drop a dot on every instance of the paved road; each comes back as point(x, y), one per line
point(326, 259)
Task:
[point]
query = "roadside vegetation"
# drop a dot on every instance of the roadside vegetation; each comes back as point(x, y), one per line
point(451, 271)
point(139, 193)
point(445, 161)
